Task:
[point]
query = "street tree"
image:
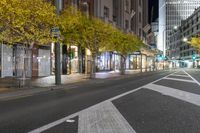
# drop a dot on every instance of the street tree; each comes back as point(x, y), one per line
point(124, 44)
point(71, 27)
point(95, 36)
point(26, 22)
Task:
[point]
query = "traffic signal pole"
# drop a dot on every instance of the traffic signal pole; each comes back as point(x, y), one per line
point(57, 52)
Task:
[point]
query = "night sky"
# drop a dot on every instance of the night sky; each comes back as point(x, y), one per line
point(153, 4)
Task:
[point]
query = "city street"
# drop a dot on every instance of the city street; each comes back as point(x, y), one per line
point(99, 66)
point(153, 102)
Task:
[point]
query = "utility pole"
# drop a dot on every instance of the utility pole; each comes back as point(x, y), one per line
point(57, 51)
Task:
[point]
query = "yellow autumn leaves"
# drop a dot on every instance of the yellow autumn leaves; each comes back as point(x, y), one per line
point(30, 22)
point(26, 21)
point(195, 42)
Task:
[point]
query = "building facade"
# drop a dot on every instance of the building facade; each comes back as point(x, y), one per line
point(139, 17)
point(181, 52)
point(40, 60)
point(171, 13)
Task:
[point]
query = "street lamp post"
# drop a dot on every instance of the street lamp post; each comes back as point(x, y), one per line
point(57, 51)
point(164, 43)
point(164, 49)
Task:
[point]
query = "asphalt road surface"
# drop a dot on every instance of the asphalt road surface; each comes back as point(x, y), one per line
point(154, 102)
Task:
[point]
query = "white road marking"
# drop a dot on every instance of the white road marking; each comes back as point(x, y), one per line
point(57, 122)
point(192, 77)
point(183, 80)
point(182, 95)
point(70, 121)
point(53, 124)
point(178, 75)
point(104, 118)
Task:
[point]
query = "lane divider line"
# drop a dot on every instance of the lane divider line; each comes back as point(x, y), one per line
point(178, 75)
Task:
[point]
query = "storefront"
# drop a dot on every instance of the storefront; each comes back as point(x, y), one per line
point(34, 62)
point(18, 60)
point(70, 59)
point(116, 61)
point(108, 61)
point(22, 61)
point(104, 61)
point(134, 61)
point(6, 61)
point(43, 62)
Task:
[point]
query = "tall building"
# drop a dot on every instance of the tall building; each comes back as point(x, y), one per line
point(139, 17)
point(171, 13)
point(122, 14)
point(182, 53)
point(154, 30)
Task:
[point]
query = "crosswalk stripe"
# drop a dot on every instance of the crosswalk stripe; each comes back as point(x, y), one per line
point(182, 95)
point(104, 118)
point(178, 75)
point(57, 122)
point(183, 80)
point(192, 77)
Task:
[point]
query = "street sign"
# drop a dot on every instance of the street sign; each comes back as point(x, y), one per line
point(55, 32)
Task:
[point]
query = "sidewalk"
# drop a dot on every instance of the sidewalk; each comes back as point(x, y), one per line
point(44, 84)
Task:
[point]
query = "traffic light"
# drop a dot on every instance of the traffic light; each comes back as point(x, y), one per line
point(159, 57)
point(194, 57)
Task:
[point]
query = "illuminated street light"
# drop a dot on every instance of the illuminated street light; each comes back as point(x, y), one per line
point(175, 27)
point(185, 39)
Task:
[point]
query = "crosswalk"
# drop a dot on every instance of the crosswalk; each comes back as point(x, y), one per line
point(106, 118)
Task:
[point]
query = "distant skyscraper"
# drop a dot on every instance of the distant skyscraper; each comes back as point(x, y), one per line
point(171, 13)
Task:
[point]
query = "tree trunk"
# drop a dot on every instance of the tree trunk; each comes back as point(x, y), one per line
point(123, 64)
point(93, 66)
point(24, 71)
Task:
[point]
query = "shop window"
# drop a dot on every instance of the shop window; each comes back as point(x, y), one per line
point(106, 12)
